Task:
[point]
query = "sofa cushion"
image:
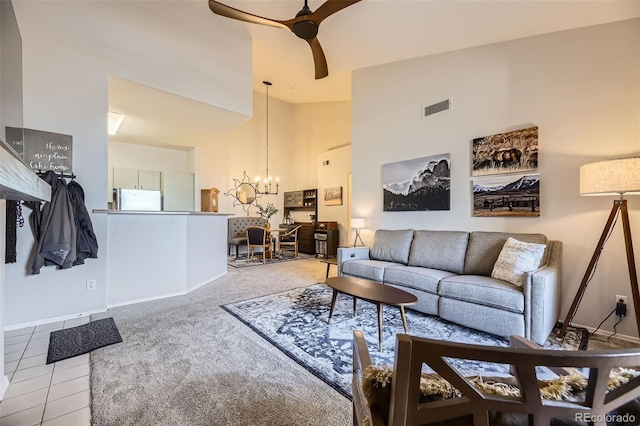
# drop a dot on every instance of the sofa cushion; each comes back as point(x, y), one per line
point(483, 290)
point(485, 247)
point(516, 259)
point(369, 269)
point(424, 279)
point(391, 246)
point(443, 250)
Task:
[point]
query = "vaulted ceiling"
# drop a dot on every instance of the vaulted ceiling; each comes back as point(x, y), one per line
point(368, 33)
point(374, 32)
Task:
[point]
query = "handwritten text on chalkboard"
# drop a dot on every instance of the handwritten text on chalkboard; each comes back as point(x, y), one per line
point(45, 150)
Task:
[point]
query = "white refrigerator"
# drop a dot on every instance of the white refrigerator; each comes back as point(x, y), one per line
point(137, 199)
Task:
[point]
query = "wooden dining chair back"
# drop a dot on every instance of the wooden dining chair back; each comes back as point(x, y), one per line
point(289, 240)
point(258, 238)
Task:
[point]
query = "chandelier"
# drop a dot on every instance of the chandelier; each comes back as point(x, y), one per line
point(267, 183)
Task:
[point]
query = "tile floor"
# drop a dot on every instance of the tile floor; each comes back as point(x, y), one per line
point(40, 394)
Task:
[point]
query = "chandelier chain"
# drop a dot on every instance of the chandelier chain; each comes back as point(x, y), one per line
point(267, 176)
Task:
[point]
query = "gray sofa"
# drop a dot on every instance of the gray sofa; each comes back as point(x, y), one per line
point(450, 273)
point(236, 230)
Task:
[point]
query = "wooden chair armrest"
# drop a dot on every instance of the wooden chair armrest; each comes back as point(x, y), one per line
point(361, 409)
point(521, 342)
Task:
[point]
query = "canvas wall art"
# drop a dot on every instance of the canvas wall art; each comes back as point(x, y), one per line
point(507, 195)
point(417, 185)
point(515, 151)
point(333, 196)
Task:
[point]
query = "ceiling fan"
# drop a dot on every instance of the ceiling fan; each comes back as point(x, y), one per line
point(304, 25)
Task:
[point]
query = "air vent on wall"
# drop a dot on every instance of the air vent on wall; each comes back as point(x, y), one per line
point(435, 108)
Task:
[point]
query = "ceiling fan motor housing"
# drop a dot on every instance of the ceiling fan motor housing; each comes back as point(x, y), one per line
point(305, 29)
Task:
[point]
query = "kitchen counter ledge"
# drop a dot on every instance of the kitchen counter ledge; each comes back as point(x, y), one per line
point(110, 211)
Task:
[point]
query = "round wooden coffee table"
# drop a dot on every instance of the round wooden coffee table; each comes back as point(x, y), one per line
point(373, 292)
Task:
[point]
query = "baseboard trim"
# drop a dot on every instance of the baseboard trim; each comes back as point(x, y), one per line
point(145, 299)
point(603, 333)
point(197, 286)
point(164, 296)
point(52, 319)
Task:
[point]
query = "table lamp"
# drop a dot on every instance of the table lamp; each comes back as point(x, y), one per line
point(357, 224)
point(610, 177)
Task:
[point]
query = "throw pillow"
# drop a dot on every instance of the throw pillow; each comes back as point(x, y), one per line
point(516, 259)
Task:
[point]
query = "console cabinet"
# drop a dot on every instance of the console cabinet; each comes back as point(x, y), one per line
point(301, 200)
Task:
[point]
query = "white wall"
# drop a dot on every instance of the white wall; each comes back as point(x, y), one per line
point(69, 50)
point(336, 173)
point(146, 157)
point(297, 134)
point(581, 87)
point(317, 127)
point(243, 148)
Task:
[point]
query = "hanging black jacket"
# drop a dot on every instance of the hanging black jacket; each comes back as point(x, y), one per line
point(57, 238)
point(87, 243)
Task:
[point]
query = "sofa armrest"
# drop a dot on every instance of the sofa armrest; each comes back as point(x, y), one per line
point(351, 253)
point(542, 296)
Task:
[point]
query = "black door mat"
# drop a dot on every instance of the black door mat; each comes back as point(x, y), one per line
point(82, 339)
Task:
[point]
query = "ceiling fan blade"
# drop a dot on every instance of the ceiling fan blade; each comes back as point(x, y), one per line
point(319, 60)
point(230, 12)
point(328, 8)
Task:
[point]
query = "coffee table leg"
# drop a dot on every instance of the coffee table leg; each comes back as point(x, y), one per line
point(379, 326)
point(354, 306)
point(333, 305)
point(404, 319)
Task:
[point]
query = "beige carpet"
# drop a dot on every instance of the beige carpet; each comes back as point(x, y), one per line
point(185, 361)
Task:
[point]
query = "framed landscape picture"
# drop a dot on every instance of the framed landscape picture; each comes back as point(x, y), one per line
point(507, 195)
point(333, 196)
point(417, 185)
point(515, 151)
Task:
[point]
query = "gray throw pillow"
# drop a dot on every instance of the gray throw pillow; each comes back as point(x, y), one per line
point(391, 246)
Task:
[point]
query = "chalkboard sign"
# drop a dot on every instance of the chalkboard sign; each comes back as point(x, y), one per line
point(42, 150)
point(15, 140)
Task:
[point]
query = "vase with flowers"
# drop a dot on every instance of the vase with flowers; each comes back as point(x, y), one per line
point(267, 212)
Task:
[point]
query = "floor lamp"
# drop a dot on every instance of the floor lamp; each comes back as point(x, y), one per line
point(610, 177)
point(357, 224)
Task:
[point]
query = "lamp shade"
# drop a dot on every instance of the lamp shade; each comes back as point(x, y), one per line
point(611, 177)
point(357, 223)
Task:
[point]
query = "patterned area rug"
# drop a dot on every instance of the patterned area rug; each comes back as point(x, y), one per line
point(241, 261)
point(296, 323)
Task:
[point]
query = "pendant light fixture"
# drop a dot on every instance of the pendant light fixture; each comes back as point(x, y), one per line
point(267, 180)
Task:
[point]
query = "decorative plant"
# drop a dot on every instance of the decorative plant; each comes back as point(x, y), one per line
point(268, 211)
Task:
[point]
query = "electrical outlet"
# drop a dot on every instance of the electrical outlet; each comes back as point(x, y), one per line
point(618, 298)
point(91, 285)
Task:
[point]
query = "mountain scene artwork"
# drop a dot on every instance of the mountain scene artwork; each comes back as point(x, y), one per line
point(507, 195)
point(417, 185)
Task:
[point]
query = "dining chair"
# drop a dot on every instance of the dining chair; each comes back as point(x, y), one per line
point(289, 240)
point(258, 237)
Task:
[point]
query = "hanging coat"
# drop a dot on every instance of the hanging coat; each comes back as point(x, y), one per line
point(87, 243)
point(57, 239)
